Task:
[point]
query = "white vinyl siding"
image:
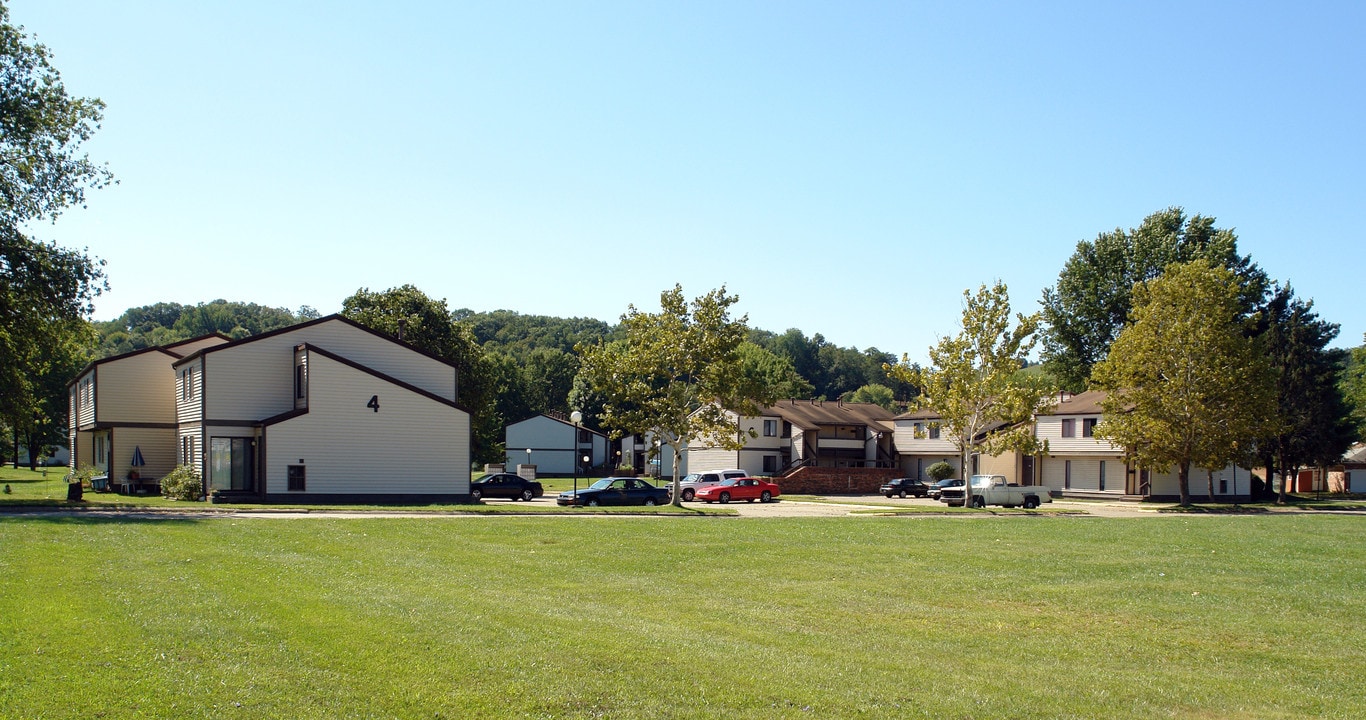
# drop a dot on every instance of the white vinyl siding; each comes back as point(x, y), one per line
point(710, 459)
point(413, 445)
point(158, 451)
point(1049, 427)
point(906, 443)
point(133, 389)
point(85, 399)
point(188, 408)
point(552, 444)
point(255, 379)
point(1237, 481)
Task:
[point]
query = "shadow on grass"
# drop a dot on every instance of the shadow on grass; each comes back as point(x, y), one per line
point(66, 516)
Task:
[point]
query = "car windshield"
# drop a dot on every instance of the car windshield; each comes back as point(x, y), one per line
point(690, 477)
point(602, 484)
point(950, 482)
point(729, 481)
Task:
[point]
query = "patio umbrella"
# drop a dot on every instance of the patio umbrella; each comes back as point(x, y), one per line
point(137, 456)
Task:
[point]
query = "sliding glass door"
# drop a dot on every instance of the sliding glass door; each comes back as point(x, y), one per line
point(231, 464)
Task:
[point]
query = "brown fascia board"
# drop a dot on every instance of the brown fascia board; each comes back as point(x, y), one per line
point(1084, 403)
point(171, 348)
point(310, 323)
point(387, 378)
point(104, 361)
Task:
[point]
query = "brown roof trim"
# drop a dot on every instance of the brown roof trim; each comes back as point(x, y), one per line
point(104, 361)
point(310, 323)
point(387, 378)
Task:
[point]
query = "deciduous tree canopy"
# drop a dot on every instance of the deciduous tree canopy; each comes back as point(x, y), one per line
point(974, 383)
point(1090, 304)
point(1185, 383)
point(677, 373)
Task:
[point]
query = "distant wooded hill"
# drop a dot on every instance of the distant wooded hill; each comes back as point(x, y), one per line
point(526, 340)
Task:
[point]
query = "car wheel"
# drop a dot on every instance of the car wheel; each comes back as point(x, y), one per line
point(903, 494)
point(978, 501)
point(766, 496)
point(725, 498)
point(477, 494)
point(593, 502)
point(887, 495)
point(527, 494)
point(688, 495)
point(1031, 502)
point(650, 502)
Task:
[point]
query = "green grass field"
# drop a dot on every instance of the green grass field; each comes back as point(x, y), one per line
point(1204, 616)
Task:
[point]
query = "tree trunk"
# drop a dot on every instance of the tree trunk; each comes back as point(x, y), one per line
point(1285, 480)
point(1269, 462)
point(677, 494)
point(16, 446)
point(1209, 480)
point(1183, 477)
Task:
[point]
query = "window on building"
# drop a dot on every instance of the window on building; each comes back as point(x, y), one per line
point(1223, 486)
point(934, 431)
point(787, 429)
point(1088, 427)
point(299, 382)
point(770, 428)
point(295, 476)
point(975, 459)
point(1067, 474)
point(585, 435)
point(1069, 428)
point(770, 463)
point(1102, 473)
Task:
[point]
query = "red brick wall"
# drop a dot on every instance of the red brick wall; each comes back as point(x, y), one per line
point(836, 481)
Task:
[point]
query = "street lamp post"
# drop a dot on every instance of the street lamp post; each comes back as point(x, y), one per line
point(576, 417)
point(528, 457)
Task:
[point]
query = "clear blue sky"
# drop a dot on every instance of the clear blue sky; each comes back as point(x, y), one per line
point(845, 168)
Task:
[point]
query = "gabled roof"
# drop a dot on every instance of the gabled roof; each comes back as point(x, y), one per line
point(810, 414)
point(329, 318)
point(1087, 403)
point(560, 420)
point(169, 350)
point(921, 414)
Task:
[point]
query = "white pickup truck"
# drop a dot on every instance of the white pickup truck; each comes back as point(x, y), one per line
point(994, 490)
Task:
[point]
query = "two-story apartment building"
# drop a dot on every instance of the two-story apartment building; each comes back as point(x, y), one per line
point(323, 411)
point(920, 443)
point(122, 404)
point(802, 432)
point(1080, 464)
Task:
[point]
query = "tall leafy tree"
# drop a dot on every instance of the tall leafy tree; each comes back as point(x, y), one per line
point(427, 324)
point(1185, 383)
point(45, 291)
point(548, 377)
point(1354, 386)
point(874, 393)
point(677, 373)
point(766, 369)
point(973, 382)
point(1315, 423)
point(1090, 304)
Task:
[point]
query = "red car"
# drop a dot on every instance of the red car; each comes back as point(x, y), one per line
point(745, 488)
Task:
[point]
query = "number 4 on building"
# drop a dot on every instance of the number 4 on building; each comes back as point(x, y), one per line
point(374, 403)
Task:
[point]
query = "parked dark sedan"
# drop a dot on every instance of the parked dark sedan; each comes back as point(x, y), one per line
point(904, 487)
point(616, 491)
point(505, 485)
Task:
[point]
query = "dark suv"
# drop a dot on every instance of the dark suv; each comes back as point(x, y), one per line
point(904, 487)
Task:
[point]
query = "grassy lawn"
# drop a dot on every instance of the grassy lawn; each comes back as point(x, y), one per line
point(1168, 616)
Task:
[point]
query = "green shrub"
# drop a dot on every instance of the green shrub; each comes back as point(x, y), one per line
point(83, 474)
point(182, 484)
point(940, 471)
